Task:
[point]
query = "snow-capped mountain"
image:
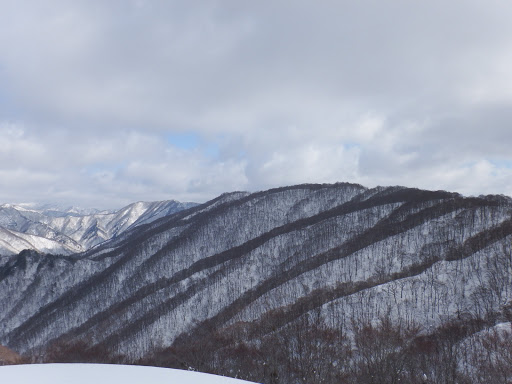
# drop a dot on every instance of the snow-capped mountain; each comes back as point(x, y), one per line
point(52, 229)
point(252, 264)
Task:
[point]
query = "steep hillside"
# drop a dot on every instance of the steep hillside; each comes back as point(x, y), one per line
point(342, 254)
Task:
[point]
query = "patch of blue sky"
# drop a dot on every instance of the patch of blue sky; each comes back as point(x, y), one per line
point(191, 141)
point(501, 163)
point(185, 141)
point(212, 150)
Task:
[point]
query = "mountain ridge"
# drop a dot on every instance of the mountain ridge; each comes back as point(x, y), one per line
point(262, 262)
point(50, 229)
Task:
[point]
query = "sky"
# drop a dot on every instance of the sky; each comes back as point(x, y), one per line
point(107, 102)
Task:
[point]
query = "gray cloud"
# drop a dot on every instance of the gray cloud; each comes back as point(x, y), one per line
point(276, 93)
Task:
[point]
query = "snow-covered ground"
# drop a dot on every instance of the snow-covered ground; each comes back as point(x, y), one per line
point(103, 374)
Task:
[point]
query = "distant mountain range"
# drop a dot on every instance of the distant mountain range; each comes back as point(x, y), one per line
point(52, 229)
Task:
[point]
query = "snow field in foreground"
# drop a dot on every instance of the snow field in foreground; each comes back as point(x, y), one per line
point(103, 374)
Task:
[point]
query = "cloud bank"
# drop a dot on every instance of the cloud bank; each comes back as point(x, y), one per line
point(104, 103)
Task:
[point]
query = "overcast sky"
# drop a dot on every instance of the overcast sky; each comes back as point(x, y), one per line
point(106, 102)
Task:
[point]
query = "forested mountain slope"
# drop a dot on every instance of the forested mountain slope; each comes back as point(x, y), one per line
point(253, 264)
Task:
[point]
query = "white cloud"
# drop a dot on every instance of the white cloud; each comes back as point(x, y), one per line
point(276, 93)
